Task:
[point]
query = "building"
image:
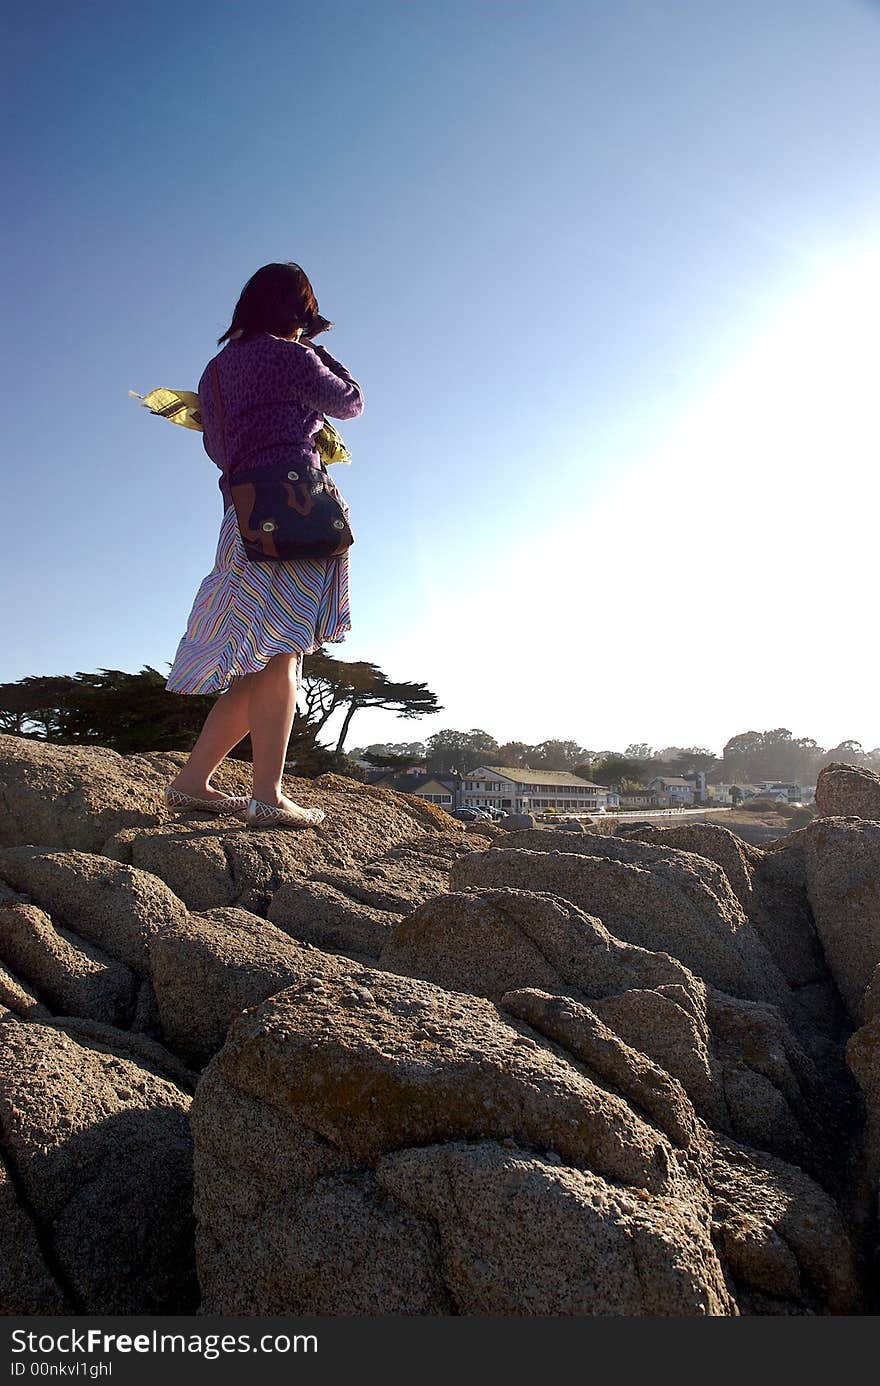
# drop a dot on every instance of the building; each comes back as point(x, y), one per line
point(634, 799)
point(724, 793)
point(515, 790)
point(433, 788)
point(784, 793)
point(671, 791)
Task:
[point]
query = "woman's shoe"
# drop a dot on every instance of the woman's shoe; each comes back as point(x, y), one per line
point(260, 815)
point(230, 803)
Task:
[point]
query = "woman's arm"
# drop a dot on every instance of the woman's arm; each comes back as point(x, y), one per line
point(328, 386)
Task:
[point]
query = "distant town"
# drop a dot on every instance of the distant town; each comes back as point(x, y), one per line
point(511, 789)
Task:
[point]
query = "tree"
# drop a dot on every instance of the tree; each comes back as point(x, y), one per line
point(612, 769)
point(515, 753)
point(461, 751)
point(693, 759)
point(125, 712)
point(386, 761)
point(330, 683)
point(639, 750)
point(136, 712)
point(556, 755)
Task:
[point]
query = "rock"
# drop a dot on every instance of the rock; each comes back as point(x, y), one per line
point(490, 941)
point(780, 1235)
point(74, 977)
point(523, 1236)
point(404, 876)
point(343, 1246)
point(100, 1148)
point(354, 911)
point(17, 998)
point(773, 899)
point(116, 907)
point(75, 797)
point(772, 1090)
point(210, 865)
point(27, 1285)
point(847, 791)
point(665, 1025)
point(209, 968)
point(843, 882)
point(304, 1200)
point(322, 914)
point(416, 1065)
point(288, 1224)
point(863, 1057)
point(146, 1053)
point(578, 1029)
point(573, 826)
point(661, 900)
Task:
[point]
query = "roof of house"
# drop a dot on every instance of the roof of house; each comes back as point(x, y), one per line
point(672, 779)
point(520, 776)
point(411, 784)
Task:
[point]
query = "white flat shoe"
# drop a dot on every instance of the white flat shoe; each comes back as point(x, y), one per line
point(230, 803)
point(260, 815)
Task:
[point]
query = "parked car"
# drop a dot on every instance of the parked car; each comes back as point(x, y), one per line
point(466, 815)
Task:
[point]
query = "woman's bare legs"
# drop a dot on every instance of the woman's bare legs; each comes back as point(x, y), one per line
point(263, 704)
point(272, 710)
point(225, 725)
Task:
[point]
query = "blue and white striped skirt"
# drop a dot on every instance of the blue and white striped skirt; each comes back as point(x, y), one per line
point(244, 613)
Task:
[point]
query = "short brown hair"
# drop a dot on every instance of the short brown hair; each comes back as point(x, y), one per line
point(277, 299)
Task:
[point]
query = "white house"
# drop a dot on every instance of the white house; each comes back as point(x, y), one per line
point(514, 790)
point(671, 790)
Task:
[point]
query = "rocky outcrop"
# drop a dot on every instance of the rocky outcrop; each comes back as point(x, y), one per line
point(384, 1085)
point(848, 790)
point(74, 977)
point(843, 883)
point(78, 797)
point(113, 906)
point(210, 968)
point(354, 911)
point(100, 1149)
point(445, 1070)
point(480, 1134)
point(27, 1285)
point(772, 898)
point(662, 900)
point(490, 941)
point(519, 1235)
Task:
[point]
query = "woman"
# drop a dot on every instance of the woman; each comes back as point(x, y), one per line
point(252, 623)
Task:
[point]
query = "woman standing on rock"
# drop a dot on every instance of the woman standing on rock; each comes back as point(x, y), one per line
point(252, 623)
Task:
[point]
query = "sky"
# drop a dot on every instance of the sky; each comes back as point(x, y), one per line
point(608, 274)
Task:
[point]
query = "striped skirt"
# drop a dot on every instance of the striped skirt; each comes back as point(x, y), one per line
point(244, 613)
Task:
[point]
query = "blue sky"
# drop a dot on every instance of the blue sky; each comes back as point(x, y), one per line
point(609, 275)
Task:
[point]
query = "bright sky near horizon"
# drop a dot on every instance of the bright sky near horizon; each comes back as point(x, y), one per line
point(609, 275)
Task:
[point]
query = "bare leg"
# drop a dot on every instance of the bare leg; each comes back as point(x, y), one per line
point(225, 725)
point(272, 710)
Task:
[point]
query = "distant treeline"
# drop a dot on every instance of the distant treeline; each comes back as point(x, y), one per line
point(748, 758)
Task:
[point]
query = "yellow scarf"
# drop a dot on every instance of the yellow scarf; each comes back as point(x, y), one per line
point(182, 407)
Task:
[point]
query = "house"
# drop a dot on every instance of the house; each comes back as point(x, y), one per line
point(516, 790)
point(784, 793)
point(724, 793)
point(671, 790)
point(433, 788)
point(635, 799)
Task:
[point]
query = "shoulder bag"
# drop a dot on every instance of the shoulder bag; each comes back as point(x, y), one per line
point(288, 510)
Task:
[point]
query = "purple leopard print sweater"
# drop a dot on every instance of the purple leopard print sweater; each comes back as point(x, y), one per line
point(274, 395)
